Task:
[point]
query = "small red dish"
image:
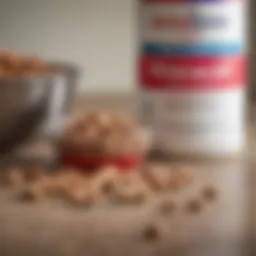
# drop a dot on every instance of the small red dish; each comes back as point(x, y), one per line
point(91, 163)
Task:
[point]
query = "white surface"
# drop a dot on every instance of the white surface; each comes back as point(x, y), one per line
point(98, 35)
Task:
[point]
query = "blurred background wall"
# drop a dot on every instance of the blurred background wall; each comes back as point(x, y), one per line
point(99, 35)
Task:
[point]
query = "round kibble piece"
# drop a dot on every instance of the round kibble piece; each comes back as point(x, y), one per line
point(12, 177)
point(79, 196)
point(15, 177)
point(33, 173)
point(33, 193)
point(194, 206)
point(151, 232)
point(210, 193)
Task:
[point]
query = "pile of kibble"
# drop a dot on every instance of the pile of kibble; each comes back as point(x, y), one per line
point(14, 64)
point(99, 133)
point(91, 189)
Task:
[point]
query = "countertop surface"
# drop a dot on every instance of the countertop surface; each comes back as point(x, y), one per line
point(225, 227)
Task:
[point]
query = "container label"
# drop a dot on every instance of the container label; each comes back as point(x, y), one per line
point(192, 73)
point(195, 122)
point(184, 23)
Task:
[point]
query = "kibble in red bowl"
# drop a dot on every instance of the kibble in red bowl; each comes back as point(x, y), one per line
point(96, 139)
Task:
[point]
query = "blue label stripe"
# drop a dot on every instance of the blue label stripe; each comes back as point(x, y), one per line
point(196, 49)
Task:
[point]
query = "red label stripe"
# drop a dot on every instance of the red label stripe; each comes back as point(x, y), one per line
point(192, 73)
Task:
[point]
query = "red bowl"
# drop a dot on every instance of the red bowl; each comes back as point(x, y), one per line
point(91, 163)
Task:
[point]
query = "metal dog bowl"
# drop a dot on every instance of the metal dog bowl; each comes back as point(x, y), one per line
point(35, 103)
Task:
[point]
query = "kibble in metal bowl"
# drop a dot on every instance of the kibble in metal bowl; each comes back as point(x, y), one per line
point(101, 133)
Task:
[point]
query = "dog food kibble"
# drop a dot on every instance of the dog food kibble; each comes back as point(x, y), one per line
point(10, 60)
point(103, 134)
point(131, 188)
point(210, 193)
point(33, 173)
point(157, 176)
point(105, 180)
point(13, 65)
point(34, 64)
point(110, 185)
point(178, 179)
point(161, 177)
point(79, 196)
point(100, 118)
point(130, 195)
point(13, 177)
point(66, 182)
point(34, 192)
point(152, 232)
point(194, 206)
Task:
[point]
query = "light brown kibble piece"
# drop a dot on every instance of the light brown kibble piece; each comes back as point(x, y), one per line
point(210, 193)
point(15, 64)
point(102, 133)
point(179, 178)
point(33, 64)
point(111, 144)
point(105, 179)
point(152, 232)
point(32, 193)
point(48, 184)
point(157, 176)
point(98, 118)
point(33, 173)
point(12, 178)
point(80, 196)
point(131, 188)
point(130, 196)
point(10, 60)
point(194, 206)
point(67, 181)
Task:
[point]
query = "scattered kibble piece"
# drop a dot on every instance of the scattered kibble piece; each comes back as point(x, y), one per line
point(157, 176)
point(79, 196)
point(152, 232)
point(210, 193)
point(168, 206)
point(130, 195)
point(131, 188)
point(33, 193)
point(105, 180)
point(67, 181)
point(33, 173)
point(194, 206)
point(178, 178)
point(33, 64)
point(13, 177)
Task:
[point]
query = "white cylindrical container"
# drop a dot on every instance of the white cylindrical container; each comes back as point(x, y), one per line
point(192, 75)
